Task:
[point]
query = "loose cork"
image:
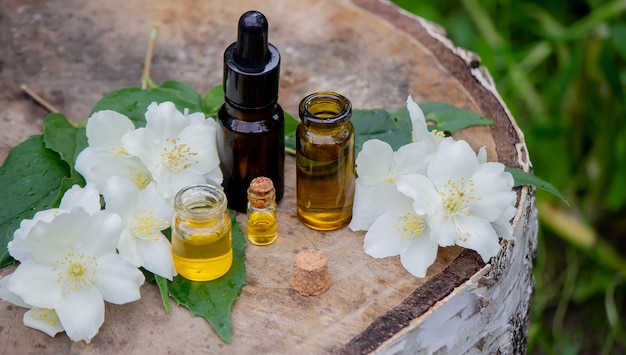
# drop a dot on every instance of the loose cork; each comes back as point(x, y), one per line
point(310, 273)
point(261, 192)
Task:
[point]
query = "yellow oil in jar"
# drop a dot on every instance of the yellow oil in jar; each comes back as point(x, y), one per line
point(202, 250)
point(325, 187)
point(262, 227)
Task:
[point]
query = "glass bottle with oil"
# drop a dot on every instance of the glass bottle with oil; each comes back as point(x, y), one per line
point(325, 172)
point(251, 123)
point(261, 211)
point(201, 233)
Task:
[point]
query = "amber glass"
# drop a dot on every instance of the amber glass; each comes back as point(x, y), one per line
point(201, 233)
point(325, 172)
point(250, 144)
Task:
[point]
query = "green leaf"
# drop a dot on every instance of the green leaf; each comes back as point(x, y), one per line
point(213, 100)
point(449, 118)
point(68, 140)
point(617, 35)
point(29, 182)
point(394, 128)
point(133, 101)
point(164, 291)
point(522, 178)
point(291, 124)
point(213, 300)
point(63, 137)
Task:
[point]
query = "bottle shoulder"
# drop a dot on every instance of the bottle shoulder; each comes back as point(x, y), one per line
point(251, 121)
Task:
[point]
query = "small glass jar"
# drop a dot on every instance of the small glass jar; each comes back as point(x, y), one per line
point(262, 226)
point(325, 172)
point(201, 233)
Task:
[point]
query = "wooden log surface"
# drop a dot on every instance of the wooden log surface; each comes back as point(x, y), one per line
point(73, 52)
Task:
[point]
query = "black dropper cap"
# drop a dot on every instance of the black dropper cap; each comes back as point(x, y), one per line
point(251, 65)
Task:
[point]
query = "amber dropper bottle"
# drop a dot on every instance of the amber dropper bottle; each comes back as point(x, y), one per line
point(251, 123)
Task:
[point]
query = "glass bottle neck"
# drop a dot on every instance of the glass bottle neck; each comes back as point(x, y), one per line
point(325, 109)
point(200, 202)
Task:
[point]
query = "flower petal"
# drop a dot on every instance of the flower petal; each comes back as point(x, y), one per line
point(165, 120)
point(364, 212)
point(106, 128)
point(374, 161)
point(50, 241)
point(86, 160)
point(145, 145)
point(495, 196)
point(9, 296)
point(384, 238)
point(43, 319)
point(81, 314)
point(502, 225)
point(168, 184)
point(87, 198)
point(157, 256)
point(21, 247)
point(100, 234)
point(118, 280)
point(413, 158)
point(122, 197)
point(214, 177)
point(418, 121)
point(482, 155)
point(426, 198)
point(419, 256)
point(128, 248)
point(454, 161)
point(202, 141)
point(36, 284)
point(477, 234)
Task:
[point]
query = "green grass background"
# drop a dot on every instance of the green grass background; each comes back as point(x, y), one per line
point(561, 68)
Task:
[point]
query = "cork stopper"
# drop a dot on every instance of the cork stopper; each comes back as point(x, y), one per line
point(310, 273)
point(261, 192)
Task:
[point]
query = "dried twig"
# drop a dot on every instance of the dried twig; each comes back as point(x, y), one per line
point(145, 77)
point(33, 95)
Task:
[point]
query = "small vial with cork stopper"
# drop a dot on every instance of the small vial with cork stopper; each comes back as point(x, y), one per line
point(261, 211)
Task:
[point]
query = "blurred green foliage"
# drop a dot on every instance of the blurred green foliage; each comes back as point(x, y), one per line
point(561, 68)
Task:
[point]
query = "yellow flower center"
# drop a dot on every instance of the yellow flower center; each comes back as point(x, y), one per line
point(456, 196)
point(140, 179)
point(391, 176)
point(117, 151)
point(439, 136)
point(411, 225)
point(177, 156)
point(76, 271)
point(147, 226)
point(44, 314)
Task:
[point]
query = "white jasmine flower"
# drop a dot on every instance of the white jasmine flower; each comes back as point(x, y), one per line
point(462, 198)
point(378, 168)
point(74, 268)
point(76, 197)
point(400, 231)
point(42, 319)
point(105, 156)
point(420, 131)
point(144, 215)
point(178, 150)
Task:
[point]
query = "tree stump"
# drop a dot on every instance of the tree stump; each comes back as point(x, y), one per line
point(368, 50)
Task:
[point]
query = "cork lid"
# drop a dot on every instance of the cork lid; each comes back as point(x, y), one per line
point(261, 192)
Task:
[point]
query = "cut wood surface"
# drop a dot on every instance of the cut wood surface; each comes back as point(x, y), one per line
point(72, 52)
